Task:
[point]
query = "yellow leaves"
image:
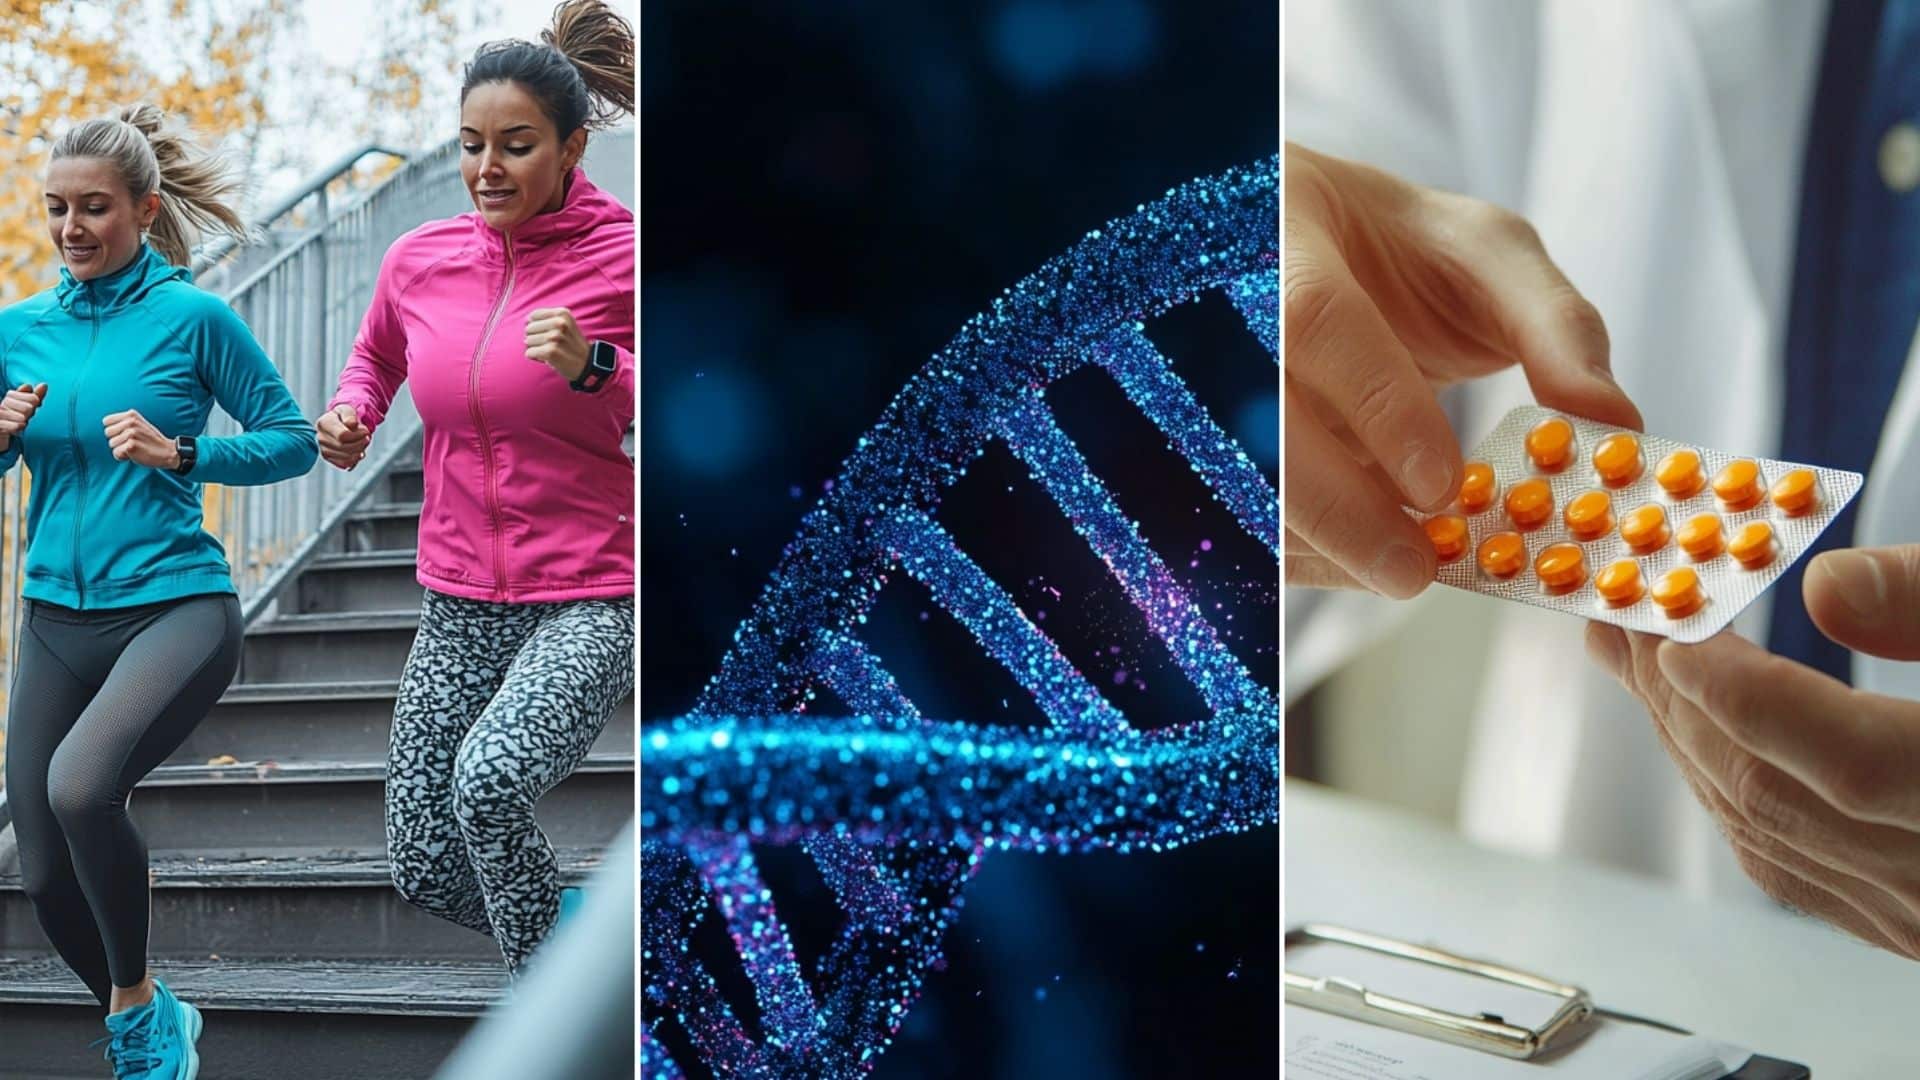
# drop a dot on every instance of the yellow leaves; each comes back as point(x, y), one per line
point(76, 65)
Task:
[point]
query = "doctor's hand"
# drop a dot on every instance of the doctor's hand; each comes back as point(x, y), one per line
point(1393, 291)
point(133, 439)
point(554, 339)
point(343, 438)
point(1817, 785)
point(17, 409)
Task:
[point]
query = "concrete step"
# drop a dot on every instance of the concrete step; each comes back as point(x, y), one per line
point(346, 646)
point(344, 721)
point(359, 581)
point(403, 483)
point(332, 905)
point(284, 1019)
point(257, 808)
point(380, 527)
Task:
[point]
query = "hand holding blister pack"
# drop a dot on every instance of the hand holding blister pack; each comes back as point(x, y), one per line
point(1641, 531)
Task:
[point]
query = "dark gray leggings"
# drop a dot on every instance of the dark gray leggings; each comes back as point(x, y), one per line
point(100, 698)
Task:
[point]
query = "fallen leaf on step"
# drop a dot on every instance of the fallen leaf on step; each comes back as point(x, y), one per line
point(223, 759)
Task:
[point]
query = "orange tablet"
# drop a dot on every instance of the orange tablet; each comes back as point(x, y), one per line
point(1679, 475)
point(1529, 503)
point(1476, 487)
point(1702, 537)
point(1617, 459)
point(1752, 546)
point(1678, 592)
point(1796, 493)
point(1502, 554)
point(1550, 444)
point(1590, 515)
point(1561, 567)
point(1449, 535)
point(1645, 529)
point(1738, 486)
point(1619, 584)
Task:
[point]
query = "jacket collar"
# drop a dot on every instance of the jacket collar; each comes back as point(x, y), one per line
point(125, 286)
point(584, 207)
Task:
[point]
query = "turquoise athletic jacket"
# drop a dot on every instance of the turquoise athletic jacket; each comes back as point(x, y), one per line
point(103, 533)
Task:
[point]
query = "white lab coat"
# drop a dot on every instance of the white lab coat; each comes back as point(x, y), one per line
point(1656, 145)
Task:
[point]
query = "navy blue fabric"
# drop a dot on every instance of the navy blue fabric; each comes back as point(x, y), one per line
point(1856, 278)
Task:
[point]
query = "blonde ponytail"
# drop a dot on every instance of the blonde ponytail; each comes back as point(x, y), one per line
point(194, 186)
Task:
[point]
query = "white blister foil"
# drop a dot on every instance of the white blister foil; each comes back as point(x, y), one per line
point(1726, 584)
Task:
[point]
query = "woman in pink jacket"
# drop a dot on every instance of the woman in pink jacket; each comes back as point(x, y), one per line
point(514, 325)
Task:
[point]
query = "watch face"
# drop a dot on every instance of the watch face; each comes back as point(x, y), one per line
point(602, 357)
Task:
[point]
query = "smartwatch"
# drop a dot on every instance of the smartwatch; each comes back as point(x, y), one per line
point(189, 453)
point(602, 362)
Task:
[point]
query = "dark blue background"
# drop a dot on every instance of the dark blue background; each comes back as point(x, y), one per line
point(829, 190)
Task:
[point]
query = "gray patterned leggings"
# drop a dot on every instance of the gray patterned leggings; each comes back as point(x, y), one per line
point(497, 705)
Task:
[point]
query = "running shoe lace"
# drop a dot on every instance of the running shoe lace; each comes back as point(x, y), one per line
point(132, 1051)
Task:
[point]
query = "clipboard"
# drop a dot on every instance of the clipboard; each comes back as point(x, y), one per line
point(1487, 1032)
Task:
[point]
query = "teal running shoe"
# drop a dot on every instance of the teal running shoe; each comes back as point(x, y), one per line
point(154, 1041)
point(130, 1043)
point(176, 1028)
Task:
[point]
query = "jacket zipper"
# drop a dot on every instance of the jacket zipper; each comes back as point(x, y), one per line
point(73, 438)
point(480, 423)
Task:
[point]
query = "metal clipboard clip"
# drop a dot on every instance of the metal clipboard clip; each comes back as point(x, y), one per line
point(1485, 1031)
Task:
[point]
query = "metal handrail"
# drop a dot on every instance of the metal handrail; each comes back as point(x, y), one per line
point(209, 255)
point(304, 303)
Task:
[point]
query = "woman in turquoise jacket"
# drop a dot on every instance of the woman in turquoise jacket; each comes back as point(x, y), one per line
point(132, 628)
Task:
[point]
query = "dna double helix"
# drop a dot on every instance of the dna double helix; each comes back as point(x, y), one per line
point(897, 809)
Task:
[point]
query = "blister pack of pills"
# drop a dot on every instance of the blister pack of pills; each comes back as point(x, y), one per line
point(1641, 531)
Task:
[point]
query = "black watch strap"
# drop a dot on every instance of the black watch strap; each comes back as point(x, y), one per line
point(602, 362)
point(189, 449)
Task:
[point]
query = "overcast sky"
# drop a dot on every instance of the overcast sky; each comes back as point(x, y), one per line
point(336, 32)
point(338, 27)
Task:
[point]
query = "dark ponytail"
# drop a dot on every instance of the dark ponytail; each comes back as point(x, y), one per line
point(581, 74)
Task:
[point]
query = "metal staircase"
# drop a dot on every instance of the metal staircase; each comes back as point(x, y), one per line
point(272, 907)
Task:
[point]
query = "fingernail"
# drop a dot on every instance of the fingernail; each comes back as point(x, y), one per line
point(1398, 571)
point(1426, 477)
point(1860, 582)
point(1681, 667)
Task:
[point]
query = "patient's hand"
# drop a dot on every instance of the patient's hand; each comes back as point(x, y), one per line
point(1816, 784)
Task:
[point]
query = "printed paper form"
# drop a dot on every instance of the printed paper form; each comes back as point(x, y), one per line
point(1322, 1046)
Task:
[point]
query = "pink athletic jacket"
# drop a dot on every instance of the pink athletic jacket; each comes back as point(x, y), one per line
point(529, 496)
